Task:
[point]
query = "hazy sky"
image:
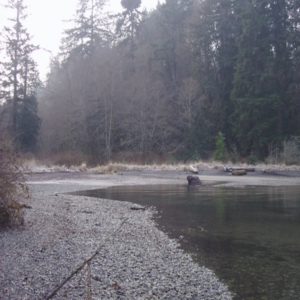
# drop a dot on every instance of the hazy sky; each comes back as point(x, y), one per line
point(47, 20)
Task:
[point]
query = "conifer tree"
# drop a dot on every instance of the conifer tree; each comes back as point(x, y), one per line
point(257, 103)
point(128, 22)
point(19, 77)
point(87, 30)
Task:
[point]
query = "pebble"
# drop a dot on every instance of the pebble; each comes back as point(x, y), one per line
point(135, 259)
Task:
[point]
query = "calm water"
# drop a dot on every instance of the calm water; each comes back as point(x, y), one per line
point(249, 236)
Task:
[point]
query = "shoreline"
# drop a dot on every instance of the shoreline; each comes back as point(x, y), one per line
point(61, 231)
point(88, 179)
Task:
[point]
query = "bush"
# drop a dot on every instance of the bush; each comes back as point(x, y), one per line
point(220, 152)
point(275, 154)
point(65, 158)
point(12, 186)
point(291, 151)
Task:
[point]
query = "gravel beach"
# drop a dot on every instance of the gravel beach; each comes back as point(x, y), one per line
point(127, 256)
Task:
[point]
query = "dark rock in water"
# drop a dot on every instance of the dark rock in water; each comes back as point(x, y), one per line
point(193, 180)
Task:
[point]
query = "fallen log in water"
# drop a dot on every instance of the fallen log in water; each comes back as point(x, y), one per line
point(230, 169)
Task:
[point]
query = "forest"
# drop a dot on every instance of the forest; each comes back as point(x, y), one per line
point(192, 79)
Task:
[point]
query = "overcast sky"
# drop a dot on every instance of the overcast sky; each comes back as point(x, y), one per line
point(47, 20)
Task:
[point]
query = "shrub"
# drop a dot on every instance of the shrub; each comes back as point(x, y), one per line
point(12, 186)
point(220, 152)
point(65, 158)
point(291, 151)
point(275, 154)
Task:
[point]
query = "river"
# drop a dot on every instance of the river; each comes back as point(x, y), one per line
point(250, 236)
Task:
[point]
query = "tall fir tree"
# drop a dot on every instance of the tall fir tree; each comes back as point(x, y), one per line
point(257, 119)
point(128, 21)
point(19, 78)
point(87, 31)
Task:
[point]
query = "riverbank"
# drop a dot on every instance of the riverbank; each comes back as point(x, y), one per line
point(216, 175)
point(211, 167)
point(132, 258)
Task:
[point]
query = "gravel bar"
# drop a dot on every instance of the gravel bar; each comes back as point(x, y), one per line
point(130, 258)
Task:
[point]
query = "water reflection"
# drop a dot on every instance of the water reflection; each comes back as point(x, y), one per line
point(248, 236)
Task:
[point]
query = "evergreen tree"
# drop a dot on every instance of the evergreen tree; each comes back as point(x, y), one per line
point(293, 107)
point(220, 152)
point(172, 52)
point(29, 123)
point(128, 21)
point(19, 77)
point(88, 29)
point(213, 39)
point(257, 120)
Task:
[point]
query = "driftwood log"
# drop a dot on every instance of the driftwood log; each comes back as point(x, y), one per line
point(137, 207)
point(238, 172)
point(193, 169)
point(230, 169)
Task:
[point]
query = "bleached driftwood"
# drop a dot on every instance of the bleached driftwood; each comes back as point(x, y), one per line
point(193, 169)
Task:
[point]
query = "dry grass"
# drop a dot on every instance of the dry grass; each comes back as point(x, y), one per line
point(116, 167)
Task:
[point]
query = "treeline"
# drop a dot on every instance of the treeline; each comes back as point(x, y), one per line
point(139, 85)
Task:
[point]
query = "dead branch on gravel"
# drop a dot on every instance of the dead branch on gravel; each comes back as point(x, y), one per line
point(86, 263)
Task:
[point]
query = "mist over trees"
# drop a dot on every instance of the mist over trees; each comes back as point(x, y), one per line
point(166, 84)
